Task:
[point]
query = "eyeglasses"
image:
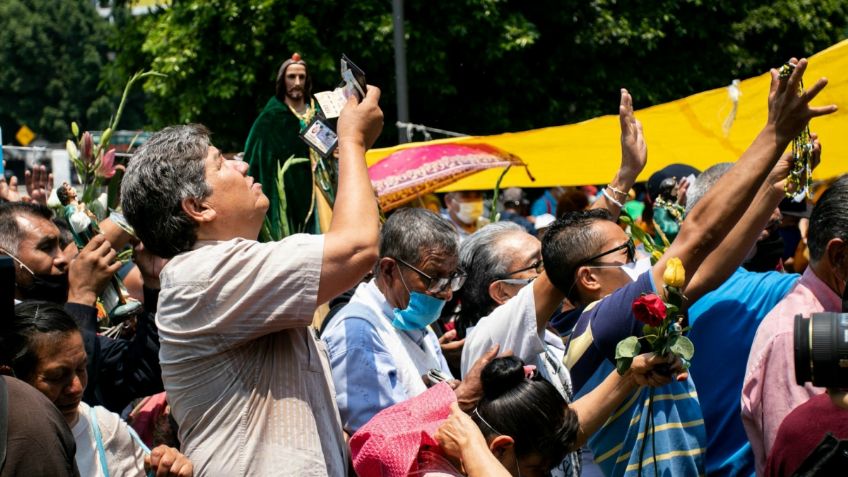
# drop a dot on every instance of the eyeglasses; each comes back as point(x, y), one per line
point(629, 246)
point(437, 285)
point(538, 266)
point(517, 281)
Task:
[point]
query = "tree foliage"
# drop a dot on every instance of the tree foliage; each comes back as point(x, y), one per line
point(475, 66)
point(52, 54)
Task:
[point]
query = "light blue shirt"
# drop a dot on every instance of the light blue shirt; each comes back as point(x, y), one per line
point(724, 323)
point(546, 204)
point(364, 371)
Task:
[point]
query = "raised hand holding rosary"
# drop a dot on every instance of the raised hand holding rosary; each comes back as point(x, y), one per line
point(800, 176)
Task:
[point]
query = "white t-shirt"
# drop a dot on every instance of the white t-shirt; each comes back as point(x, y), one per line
point(248, 383)
point(124, 456)
point(513, 326)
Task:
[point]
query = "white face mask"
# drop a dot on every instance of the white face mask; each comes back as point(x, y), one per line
point(637, 268)
point(469, 212)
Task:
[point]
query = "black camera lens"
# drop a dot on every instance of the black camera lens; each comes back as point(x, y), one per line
point(821, 349)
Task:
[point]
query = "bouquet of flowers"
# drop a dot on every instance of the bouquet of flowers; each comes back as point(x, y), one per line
point(663, 327)
point(95, 165)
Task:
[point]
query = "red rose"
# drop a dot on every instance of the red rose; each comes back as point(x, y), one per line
point(649, 309)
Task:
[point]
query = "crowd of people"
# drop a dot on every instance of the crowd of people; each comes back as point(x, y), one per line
point(430, 343)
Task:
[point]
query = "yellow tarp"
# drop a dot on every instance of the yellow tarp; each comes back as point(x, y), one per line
point(685, 131)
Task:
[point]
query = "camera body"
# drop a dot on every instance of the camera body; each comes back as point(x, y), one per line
point(821, 349)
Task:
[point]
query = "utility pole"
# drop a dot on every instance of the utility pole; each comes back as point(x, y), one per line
point(400, 68)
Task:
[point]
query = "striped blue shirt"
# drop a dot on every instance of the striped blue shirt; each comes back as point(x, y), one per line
point(678, 438)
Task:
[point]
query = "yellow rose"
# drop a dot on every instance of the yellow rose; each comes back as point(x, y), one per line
point(675, 274)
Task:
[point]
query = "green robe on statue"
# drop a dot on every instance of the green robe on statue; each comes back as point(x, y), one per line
point(273, 139)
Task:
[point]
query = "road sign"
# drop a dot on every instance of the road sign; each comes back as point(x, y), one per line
point(25, 135)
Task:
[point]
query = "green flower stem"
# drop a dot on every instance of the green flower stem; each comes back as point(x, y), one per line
point(494, 216)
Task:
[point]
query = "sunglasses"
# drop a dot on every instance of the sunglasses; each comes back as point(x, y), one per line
point(629, 246)
point(436, 285)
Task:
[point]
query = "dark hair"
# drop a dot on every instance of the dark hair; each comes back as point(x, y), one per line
point(571, 201)
point(829, 219)
point(169, 168)
point(410, 231)
point(66, 236)
point(18, 336)
point(531, 411)
point(62, 195)
point(568, 241)
point(481, 257)
point(10, 233)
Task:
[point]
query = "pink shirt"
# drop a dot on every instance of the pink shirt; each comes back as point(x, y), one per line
point(770, 392)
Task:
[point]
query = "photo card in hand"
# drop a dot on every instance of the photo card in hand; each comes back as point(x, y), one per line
point(354, 78)
point(320, 137)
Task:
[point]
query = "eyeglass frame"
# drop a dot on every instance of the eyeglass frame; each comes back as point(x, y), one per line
point(631, 256)
point(629, 246)
point(538, 266)
point(517, 281)
point(459, 274)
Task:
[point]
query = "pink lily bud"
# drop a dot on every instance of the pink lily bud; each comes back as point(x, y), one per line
point(87, 148)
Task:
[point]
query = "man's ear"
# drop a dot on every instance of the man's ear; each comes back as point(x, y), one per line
point(587, 283)
point(198, 210)
point(387, 266)
point(498, 292)
point(837, 252)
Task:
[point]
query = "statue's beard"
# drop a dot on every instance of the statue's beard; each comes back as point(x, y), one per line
point(295, 94)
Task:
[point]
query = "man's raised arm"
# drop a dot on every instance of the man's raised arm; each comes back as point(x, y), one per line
point(730, 254)
point(718, 212)
point(634, 156)
point(350, 245)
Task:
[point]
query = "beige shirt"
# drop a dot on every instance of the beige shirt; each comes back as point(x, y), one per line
point(248, 382)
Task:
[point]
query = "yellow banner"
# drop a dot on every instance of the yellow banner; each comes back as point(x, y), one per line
point(689, 131)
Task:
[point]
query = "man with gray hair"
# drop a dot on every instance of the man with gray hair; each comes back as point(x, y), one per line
point(246, 378)
point(380, 345)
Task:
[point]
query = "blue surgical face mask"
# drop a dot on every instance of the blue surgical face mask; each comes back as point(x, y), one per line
point(420, 312)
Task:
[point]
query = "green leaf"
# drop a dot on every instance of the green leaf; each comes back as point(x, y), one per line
point(684, 348)
point(627, 348)
point(623, 364)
